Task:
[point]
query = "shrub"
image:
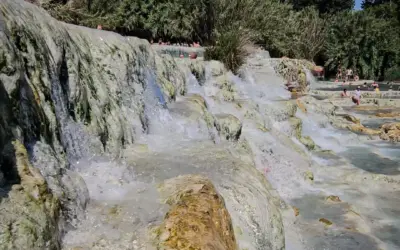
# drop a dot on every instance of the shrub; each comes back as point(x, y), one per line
point(230, 48)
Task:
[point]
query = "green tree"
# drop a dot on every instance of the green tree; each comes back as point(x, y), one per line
point(371, 3)
point(366, 40)
point(234, 21)
point(309, 38)
point(324, 6)
point(361, 41)
point(276, 29)
point(175, 19)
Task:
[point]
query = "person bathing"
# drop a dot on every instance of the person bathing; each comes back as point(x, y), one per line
point(357, 96)
point(344, 93)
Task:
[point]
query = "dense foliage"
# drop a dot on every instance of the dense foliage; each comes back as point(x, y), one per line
point(328, 32)
point(168, 19)
point(363, 41)
point(324, 6)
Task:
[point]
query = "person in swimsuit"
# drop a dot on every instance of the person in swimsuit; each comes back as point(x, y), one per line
point(344, 93)
point(357, 96)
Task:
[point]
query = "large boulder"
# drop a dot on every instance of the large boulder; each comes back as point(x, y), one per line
point(197, 218)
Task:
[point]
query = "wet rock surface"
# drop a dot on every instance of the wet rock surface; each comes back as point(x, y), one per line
point(29, 214)
point(363, 149)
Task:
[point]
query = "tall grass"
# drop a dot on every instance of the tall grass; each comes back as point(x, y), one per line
point(230, 48)
point(232, 32)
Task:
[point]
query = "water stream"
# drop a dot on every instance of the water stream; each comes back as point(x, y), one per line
point(125, 203)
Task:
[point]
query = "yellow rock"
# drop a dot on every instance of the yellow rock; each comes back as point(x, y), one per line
point(391, 114)
point(361, 129)
point(31, 179)
point(391, 132)
point(197, 218)
point(351, 118)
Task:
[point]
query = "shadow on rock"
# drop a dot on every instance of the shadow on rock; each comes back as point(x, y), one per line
point(341, 239)
point(327, 223)
point(364, 159)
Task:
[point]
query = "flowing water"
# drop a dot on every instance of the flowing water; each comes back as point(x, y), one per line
point(364, 174)
point(125, 203)
point(241, 132)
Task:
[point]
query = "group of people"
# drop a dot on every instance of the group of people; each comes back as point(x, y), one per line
point(349, 75)
point(192, 55)
point(194, 44)
point(356, 97)
point(374, 85)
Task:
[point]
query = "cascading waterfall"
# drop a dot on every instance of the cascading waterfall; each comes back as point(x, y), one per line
point(171, 137)
point(140, 119)
point(70, 132)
